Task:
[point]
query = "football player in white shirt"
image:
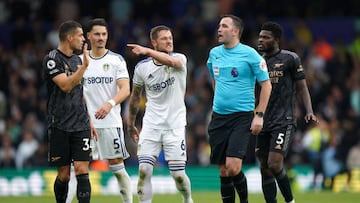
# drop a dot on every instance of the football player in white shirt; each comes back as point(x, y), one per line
point(106, 86)
point(163, 76)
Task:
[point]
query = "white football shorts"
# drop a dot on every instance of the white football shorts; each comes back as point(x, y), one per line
point(110, 144)
point(172, 141)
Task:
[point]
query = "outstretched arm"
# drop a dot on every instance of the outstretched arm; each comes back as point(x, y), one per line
point(161, 57)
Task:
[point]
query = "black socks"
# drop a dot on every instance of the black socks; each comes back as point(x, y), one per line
point(240, 185)
point(284, 185)
point(61, 190)
point(227, 190)
point(83, 188)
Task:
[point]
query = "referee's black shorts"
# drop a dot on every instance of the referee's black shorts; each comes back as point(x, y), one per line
point(229, 136)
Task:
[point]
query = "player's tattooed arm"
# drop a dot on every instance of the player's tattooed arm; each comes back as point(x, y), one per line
point(133, 110)
point(134, 104)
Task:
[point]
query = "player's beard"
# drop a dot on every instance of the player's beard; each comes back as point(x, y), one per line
point(78, 51)
point(267, 49)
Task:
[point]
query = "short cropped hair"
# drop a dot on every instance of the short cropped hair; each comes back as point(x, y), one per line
point(238, 22)
point(155, 31)
point(273, 27)
point(68, 27)
point(94, 22)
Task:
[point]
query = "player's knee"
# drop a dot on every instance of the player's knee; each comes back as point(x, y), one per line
point(146, 165)
point(177, 170)
point(275, 167)
point(145, 170)
point(233, 169)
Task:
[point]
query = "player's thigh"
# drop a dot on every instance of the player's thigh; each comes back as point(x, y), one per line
point(111, 143)
point(80, 145)
point(262, 145)
point(240, 135)
point(219, 134)
point(174, 144)
point(150, 143)
point(281, 139)
point(59, 147)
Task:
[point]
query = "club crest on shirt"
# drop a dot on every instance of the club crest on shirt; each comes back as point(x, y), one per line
point(234, 72)
point(278, 65)
point(67, 69)
point(106, 67)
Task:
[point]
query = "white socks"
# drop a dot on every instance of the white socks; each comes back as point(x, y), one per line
point(177, 170)
point(123, 181)
point(144, 187)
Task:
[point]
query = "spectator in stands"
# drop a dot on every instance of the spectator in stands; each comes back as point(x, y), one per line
point(7, 152)
point(26, 149)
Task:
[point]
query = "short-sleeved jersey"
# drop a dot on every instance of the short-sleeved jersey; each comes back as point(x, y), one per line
point(165, 91)
point(100, 85)
point(284, 70)
point(235, 72)
point(65, 111)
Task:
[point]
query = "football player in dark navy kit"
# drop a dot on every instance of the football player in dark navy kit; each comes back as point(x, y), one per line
point(68, 123)
point(288, 80)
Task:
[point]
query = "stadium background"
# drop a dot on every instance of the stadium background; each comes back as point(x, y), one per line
point(324, 34)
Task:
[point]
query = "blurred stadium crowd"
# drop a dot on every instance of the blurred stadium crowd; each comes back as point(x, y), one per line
point(331, 61)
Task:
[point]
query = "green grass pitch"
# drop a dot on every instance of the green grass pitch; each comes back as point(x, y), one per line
point(206, 197)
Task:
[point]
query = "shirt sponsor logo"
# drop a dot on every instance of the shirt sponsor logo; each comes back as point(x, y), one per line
point(275, 76)
point(157, 87)
point(100, 80)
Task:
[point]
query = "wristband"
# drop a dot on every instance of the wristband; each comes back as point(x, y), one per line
point(112, 102)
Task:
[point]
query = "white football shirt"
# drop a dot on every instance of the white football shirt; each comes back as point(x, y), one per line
point(100, 85)
point(165, 91)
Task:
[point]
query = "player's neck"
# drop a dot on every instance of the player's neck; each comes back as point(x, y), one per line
point(66, 50)
point(97, 53)
point(231, 44)
point(273, 52)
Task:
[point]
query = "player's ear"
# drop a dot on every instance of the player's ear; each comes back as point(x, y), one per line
point(154, 43)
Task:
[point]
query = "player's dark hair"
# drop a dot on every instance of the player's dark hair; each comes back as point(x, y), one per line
point(94, 22)
point(238, 22)
point(273, 27)
point(68, 27)
point(155, 31)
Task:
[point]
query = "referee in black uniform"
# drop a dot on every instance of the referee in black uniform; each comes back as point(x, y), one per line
point(67, 117)
point(288, 80)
